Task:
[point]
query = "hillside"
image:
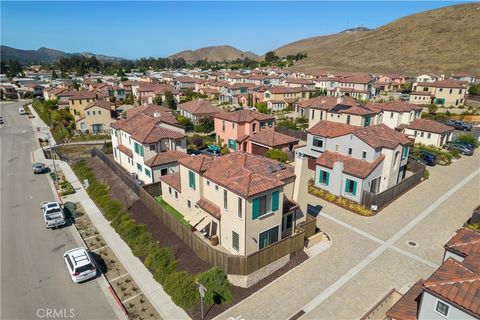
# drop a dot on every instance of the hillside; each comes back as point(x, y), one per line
point(441, 40)
point(215, 53)
point(44, 55)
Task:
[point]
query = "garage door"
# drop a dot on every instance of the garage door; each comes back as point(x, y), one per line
point(256, 149)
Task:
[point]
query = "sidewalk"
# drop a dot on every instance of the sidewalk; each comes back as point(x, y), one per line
point(151, 288)
point(37, 122)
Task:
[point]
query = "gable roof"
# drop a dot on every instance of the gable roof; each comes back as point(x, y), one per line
point(199, 108)
point(395, 106)
point(241, 116)
point(173, 180)
point(165, 157)
point(429, 126)
point(381, 136)
point(329, 129)
point(352, 166)
point(271, 138)
point(99, 103)
point(466, 242)
point(406, 308)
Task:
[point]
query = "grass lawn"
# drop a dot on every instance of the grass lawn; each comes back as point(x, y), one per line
point(172, 211)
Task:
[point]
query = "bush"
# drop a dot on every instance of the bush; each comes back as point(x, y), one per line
point(426, 174)
point(277, 154)
point(205, 125)
point(160, 262)
point(218, 287)
point(182, 288)
point(468, 138)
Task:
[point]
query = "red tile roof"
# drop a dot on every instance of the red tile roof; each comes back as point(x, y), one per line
point(125, 150)
point(199, 108)
point(269, 137)
point(466, 242)
point(99, 103)
point(429, 126)
point(173, 180)
point(444, 84)
point(210, 208)
point(165, 157)
point(329, 129)
point(381, 136)
point(241, 116)
point(242, 173)
point(355, 167)
point(356, 79)
point(406, 308)
point(395, 106)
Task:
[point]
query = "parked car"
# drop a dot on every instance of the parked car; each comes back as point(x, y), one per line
point(425, 157)
point(53, 215)
point(80, 265)
point(462, 149)
point(465, 143)
point(21, 110)
point(39, 168)
point(213, 150)
point(195, 152)
point(459, 125)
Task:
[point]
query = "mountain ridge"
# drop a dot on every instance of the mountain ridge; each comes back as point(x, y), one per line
point(215, 53)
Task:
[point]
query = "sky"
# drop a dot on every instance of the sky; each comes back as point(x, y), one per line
point(158, 29)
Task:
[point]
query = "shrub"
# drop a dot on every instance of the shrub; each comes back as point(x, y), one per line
point(182, 288)
point(468, 138)
point(160, 262)
point(426, 174)
point(218, 287)
point(277, 154)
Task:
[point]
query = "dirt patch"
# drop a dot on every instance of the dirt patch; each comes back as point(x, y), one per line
point(186, 259)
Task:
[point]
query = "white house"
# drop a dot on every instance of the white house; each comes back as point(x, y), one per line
point(429, 132)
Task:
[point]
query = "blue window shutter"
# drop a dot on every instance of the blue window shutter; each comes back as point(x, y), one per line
point(191, 179)
point(327, 178)
point(346, 185)
point(234, 145)
point(141, 150)
point(354, 188)
point(275, 196)
point(255, 208)
point(135, 147)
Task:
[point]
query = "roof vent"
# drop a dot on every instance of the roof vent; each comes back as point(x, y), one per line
point(156, 114)
point(272, 168)
point(339, 99)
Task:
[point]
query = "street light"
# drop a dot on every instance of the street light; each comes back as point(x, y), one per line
point(51, 153)
point(201, 290)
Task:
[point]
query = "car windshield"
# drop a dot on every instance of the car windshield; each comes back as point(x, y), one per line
point(84, 268)
point(55, 212)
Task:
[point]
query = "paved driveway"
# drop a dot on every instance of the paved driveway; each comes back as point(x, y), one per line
point(370, 256)
point(33, 275)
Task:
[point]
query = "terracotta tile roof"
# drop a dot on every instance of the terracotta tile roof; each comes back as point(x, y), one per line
point(356, 79)
point(199, 108)
point(281, 89)
point(320, 103)
point(466, 242)
point(299, 81)
point(381, 136)
point(421, 93)
point(125, 150)
point(81, 95)
point(173, 180)
point(429, 126)
point(165, 157)
point(329, 129)
point(289, 205)
point(395, 106)
point(210, 208)
point(156, 134)
point(242, 173)
point(444, 84)
point(352, 166)
point(458, 283)
point(243, 115)
point(269, 137)
point(354, 108)
point(166, 114)
point(406, 308)
point(99, 103)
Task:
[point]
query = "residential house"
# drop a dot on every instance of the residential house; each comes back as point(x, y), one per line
point(8, 91)
point(463, 76)
point(148, 143)
point(197, 109)
point(298, 82)
point(33, 88)
point(359, 87)
point(243, 199)
point(235, 128)
point(264, 140)
point(98, 116)
point(465, 243)
point(428, 77)
point(288, 94)
point(429, 132)
point(443, 92)
point(349, 159)
point(397, 114)
point(78, 101)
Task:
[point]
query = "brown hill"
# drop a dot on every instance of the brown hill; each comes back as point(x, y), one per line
point(441, 40)
point(215, 53)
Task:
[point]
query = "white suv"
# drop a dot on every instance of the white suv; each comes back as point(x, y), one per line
point(80, 265)
point(53, 214)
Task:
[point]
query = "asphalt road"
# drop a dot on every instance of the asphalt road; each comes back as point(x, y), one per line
point(34, 278)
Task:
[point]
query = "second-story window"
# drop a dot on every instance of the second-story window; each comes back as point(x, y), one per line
point(225, 199)
point(223, 126)
point(240, 208)
point(364, 155)
point(349, 151)
point(191, 179)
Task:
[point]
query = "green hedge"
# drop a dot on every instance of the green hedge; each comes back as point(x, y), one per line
point(181, 286)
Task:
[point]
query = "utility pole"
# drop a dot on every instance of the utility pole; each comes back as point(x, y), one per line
point(201, 290)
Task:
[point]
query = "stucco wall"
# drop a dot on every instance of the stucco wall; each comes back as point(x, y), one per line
point(428, 309)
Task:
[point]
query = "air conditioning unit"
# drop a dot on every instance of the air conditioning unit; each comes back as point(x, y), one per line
point(374, 207)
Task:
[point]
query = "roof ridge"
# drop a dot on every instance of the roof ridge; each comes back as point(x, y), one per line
point(452, 281)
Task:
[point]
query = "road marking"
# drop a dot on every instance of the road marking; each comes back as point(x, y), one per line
point(94, 250)
point(376, 253)
point(91, 237)
point(132, 297)
point(123, 275)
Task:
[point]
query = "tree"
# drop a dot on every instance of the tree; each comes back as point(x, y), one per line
point(277, 154)
point(271, 57)
point(432, 109)
point(287, 123)
point(170, 100)
point(14, 68)
point(205, 125)
point(185, 123)
point(474, 90)
point(318, 93)
point(262, 107)
point(157, 99)
point(54, 75)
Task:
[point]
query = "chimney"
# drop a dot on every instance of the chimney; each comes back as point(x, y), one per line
point(156, 114)
point(340, 99)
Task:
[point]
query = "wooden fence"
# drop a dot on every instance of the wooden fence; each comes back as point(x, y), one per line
point(292, 133)
point(382, 199)
point(231, 264)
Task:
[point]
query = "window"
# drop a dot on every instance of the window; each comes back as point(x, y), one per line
point(208, 182)
point(364, 154)
point(275, 200)
point(233, 125)
point(429, 135)
point(170, 190)
point(138, 148)
point(349, 151)
point(88, 113)
point(254, 127)
point(451, 91)
point(391, 115)
point(351, 187)
point(189, 204)
point(405, 151)
point(240, 208)
point(317, 142)
point(348, 119)
point(232, 144)
point(99, 112)
point(93, 112)
point(442, 308)
point(235, 241)
point(152, 147)
point(139, 166)
point(415, 133)
point(225, 199)
point(216, 187)
point(336, 148)
point(313, 113)
point(421, 134)
point(176, 195)
point(268, 237)
point(324, 177)
point(191, 179)
point(147, 172)
point(223, 126)
point(259, 206)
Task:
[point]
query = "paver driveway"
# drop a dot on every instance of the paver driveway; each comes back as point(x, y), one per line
point(369, 256)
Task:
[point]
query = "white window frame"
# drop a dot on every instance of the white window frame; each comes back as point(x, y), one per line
point(435, 307)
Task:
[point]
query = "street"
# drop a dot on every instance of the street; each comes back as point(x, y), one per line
point(35, 281)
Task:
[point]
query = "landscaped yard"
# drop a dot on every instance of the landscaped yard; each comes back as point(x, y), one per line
point(172, 211)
